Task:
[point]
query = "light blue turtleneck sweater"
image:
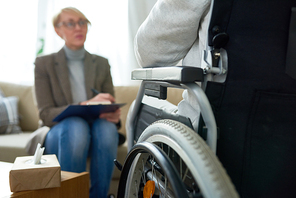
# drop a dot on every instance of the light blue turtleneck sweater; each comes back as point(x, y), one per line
point(75, 61)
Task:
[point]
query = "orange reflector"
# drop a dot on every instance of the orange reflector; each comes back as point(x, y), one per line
point(149, 189)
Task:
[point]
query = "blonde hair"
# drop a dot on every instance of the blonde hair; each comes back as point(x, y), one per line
point(56, 18)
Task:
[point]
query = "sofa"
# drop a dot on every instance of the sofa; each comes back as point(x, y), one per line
point(13, 145)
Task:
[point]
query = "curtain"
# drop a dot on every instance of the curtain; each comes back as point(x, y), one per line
point(138, 11)
point(18, 40)
point(113, 26)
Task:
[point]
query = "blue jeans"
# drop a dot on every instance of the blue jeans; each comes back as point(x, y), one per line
point(74, 139)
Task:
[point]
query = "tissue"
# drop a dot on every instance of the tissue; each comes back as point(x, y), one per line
point(38, 154)
point(35, 172)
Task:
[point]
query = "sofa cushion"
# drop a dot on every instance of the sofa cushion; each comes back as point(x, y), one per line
point(28, 111)
point(125, 94)
point(1, 94)
point(9, 119)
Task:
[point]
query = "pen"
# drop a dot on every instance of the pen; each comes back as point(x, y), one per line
point(95, 91)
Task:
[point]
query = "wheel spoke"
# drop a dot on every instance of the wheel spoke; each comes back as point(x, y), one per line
point(181, 162)
point(184, 176)
point(162, 186)
point(180, 168)
point(165, 186)
point(143, 172)
point(136, 183)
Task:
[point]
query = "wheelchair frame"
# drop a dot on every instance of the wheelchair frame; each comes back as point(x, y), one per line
point(153, 81)
point(175, 77)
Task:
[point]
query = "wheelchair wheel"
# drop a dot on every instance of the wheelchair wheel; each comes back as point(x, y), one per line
point(198, 167)
point(148, 170)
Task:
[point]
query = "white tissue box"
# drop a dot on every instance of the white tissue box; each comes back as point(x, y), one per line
point(25, 175)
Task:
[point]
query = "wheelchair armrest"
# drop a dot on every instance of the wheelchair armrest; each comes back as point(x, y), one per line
point(177, 74)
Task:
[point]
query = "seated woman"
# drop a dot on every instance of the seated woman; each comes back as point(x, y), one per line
point(68, 77)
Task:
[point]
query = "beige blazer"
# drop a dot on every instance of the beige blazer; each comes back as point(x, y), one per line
point(52, 84)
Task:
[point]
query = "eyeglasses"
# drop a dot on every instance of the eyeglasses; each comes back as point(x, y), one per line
point(71, 24)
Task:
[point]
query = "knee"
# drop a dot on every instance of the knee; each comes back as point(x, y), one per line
point(103, 124)
point(75, 127)
point(75, 120)
point(105, 130)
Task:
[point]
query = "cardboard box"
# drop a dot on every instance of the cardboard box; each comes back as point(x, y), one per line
point(25, 175)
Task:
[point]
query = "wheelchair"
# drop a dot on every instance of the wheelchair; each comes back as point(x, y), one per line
point(169, 152)
point(254, 110)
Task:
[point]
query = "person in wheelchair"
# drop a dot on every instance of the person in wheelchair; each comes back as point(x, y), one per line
point(252, 95)
point(159, 43)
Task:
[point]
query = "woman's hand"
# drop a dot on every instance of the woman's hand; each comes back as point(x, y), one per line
point(101, 97)
point(112, 116)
